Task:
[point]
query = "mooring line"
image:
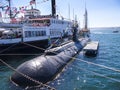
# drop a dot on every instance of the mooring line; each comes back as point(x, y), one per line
point(27, 77)
point(98, 74)
point(19, 54)
point(110, 68)
point(33, 46)
point(99, 65)
point(102, 66)
point(7, 48)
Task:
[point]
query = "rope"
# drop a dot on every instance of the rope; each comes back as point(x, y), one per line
point(38, 47)
point(7, 48)
point(33, 46)
point(97, 74)
point(102, 66)
point(18, 54)
point(27, 77)
point(113, 69)
point(53, 44)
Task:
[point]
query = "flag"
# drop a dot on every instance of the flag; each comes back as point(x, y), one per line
point(25, 7)
point(13, 20)
point(14, 9)
point(32, 2)
point(21, 9)
point(7, 10)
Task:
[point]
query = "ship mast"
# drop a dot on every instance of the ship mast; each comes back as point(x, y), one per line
point(53, 8)
point(9, 1)
point(86, 19)
point(85, 30)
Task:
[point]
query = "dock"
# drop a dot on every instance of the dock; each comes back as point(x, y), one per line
point(91, 48)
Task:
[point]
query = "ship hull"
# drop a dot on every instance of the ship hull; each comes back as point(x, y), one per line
point(18, 47)
point(39, 45)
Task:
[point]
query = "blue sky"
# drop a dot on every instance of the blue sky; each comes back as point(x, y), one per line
point(101, 13)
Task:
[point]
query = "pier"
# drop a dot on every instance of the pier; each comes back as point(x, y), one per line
point(91, 48)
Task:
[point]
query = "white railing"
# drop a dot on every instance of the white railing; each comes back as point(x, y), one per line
point(10, 41)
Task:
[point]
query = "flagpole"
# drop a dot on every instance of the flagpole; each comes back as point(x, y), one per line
point(35, 4)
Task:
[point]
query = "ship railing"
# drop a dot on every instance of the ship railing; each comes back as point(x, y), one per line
point(10, 35)
point(11, 21)
point(42, 16)
point(10, 41)
point(37, 24)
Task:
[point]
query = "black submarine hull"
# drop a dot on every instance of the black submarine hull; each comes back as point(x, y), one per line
point(45, 68)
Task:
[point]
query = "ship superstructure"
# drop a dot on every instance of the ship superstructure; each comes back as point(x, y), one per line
point(37, 28)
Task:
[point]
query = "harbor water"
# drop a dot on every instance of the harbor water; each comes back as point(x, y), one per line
point(97, 73)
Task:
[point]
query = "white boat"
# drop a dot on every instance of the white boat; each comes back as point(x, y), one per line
point(37, 28)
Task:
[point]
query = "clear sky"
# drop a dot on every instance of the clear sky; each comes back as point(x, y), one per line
point(101, 13)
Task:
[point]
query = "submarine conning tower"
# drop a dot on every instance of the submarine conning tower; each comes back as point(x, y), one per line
point(46, 68)
point(75, 30)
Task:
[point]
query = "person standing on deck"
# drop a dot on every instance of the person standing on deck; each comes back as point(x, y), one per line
point(49, 41)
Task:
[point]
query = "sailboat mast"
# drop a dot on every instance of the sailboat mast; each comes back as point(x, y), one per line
point(86, 18)
point(53, 7)
point(69, 11)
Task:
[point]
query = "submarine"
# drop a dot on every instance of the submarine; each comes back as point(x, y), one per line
point(45, 68)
